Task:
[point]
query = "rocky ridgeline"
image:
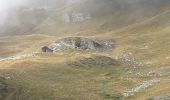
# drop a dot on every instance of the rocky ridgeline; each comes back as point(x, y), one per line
point(77, 43)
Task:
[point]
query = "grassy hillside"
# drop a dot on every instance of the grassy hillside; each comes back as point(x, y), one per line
point(102, 16)
point(58, 78)
point(136, 69)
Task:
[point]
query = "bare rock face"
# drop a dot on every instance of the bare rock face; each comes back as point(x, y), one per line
point(76, 43)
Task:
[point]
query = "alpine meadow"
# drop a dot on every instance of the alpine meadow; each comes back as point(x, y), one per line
point(84, 49)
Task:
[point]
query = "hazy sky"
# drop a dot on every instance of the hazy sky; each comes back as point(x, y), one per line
point(5, 4)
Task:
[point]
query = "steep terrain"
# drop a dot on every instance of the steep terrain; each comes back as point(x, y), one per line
point(73, 16)
point(136, 67)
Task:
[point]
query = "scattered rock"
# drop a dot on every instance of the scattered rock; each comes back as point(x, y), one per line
point(140, 88)
point(137, 73)
point(165, 97)
point(130, 60)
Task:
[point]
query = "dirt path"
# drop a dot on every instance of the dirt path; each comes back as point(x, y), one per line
point(16, 57)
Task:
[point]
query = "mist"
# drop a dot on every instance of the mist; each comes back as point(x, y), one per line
point(23, 16)
point(6, 5)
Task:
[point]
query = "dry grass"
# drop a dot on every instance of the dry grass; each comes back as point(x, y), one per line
point(70, 75)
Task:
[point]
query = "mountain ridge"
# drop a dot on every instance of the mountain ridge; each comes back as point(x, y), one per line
point(96, 11)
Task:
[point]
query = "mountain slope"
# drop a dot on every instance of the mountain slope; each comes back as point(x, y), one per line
point(137, 68)
point(102, 18)
point(95, 16)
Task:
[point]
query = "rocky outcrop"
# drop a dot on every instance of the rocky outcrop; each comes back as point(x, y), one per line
point(79, 43)
point(76, 43)
point(75, 17)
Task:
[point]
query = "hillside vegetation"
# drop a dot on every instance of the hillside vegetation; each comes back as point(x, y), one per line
point(135, 68)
